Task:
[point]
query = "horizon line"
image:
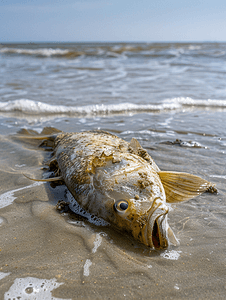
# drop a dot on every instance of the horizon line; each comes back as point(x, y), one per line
point(99, 42)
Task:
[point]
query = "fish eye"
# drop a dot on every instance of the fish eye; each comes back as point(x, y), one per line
point(121, 206)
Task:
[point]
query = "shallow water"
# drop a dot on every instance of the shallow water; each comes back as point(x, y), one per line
point(172, 98)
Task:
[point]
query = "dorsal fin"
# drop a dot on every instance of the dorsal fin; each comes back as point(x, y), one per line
point(135, 145)
point(136, 148)
point(182, 186)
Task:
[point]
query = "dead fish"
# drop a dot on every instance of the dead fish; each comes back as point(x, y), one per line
point(119, 182)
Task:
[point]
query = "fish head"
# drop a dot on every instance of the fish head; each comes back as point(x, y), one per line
point(134, 201)
point(148, 226)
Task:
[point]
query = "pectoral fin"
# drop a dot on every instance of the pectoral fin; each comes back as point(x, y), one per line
point(172, 238)
point(182, 186)
point(45, 180)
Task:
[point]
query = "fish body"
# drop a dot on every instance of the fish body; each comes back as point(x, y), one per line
point(119, 182)
point(105, 173)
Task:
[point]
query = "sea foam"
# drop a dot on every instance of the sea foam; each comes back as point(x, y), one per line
point(27, 106)
point(32, 288)
point(38, 52)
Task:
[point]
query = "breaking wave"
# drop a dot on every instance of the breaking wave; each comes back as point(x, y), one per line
point(27, 106)
point(72, 50)
point(38, 52)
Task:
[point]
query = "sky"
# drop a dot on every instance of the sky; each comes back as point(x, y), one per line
point(112, 20)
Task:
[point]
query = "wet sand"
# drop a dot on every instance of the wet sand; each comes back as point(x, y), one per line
point(76, 259)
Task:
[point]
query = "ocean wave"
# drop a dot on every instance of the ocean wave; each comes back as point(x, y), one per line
point(153, 50)
point(73, 52)
point(63, 53)
point(37, 52)
point(186, 101)
point(31, 107)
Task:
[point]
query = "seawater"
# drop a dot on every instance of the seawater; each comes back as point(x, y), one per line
point(172, 98)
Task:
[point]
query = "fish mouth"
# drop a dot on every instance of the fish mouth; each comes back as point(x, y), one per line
point(156, 241)
point(158, 236)
point(155, 232)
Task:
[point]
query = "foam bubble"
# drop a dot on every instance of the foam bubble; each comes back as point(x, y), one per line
point(3, 275)
point(8, 197)
point(32, 288)
point(171, 254)
point(97, 243)
point(75, 207)
point(87, 264)
point(20, 166)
